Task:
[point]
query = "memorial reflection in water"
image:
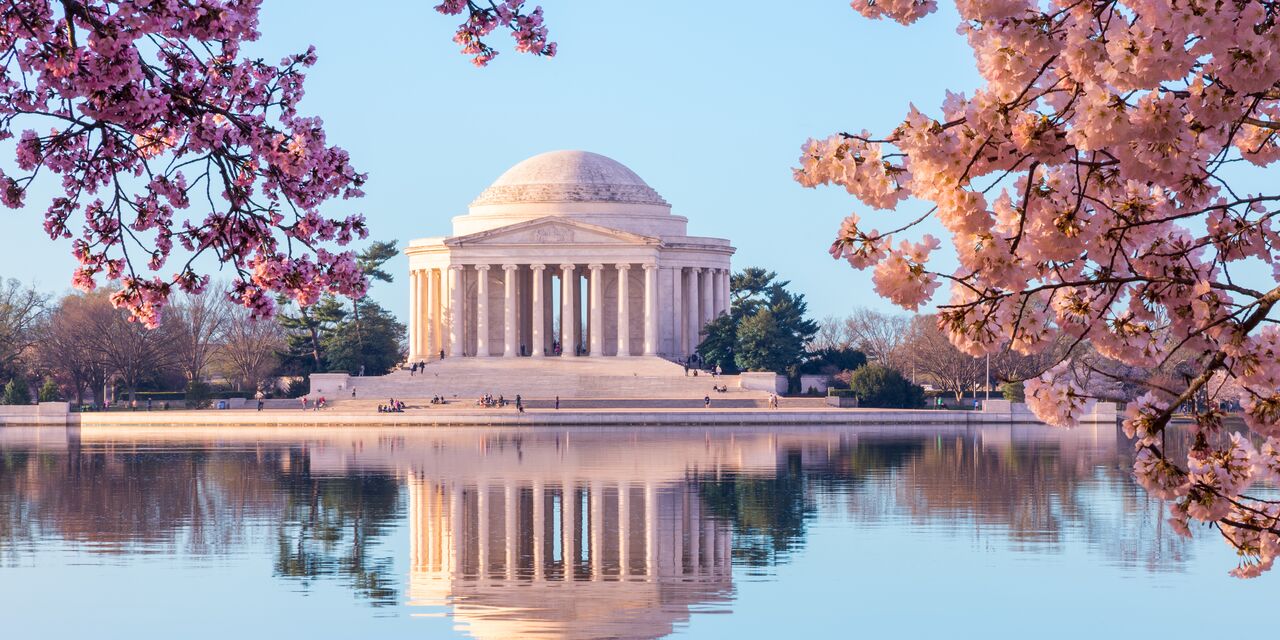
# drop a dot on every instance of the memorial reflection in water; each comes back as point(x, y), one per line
point(582, 533)
point(569, 535)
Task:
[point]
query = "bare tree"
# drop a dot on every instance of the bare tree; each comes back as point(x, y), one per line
point(127, 349)
point(22, 310)
point(937, 359)
point(833, 333)
point(65, 350)
point(249, 350)
point(879, 335)
point(197, 320)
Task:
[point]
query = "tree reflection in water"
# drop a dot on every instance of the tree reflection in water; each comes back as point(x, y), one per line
point(127, 499)
point(325, 503)
point(327, 525)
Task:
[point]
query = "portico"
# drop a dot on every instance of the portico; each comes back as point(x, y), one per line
point(568, 254)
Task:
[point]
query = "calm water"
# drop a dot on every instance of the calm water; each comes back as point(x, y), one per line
point(720, 533)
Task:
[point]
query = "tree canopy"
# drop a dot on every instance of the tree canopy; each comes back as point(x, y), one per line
point(765, 329)
point(876, 385)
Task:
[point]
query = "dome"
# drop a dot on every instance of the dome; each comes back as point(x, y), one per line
point(569, 176)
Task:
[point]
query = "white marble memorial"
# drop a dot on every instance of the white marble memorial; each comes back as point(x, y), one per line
point(567, 253)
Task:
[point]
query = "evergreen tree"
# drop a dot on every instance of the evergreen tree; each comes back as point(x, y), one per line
point(765, 329)
point(370, 261)
point(879, 386)
point(49, 391)
point(372, 342)
point(307, 329)
point(16, 391)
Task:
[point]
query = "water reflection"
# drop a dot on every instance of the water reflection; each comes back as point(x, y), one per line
point(562, 534)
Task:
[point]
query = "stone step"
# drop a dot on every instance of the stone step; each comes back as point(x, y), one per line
point(717, 401)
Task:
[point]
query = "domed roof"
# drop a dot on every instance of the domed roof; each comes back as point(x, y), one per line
point(569, 176)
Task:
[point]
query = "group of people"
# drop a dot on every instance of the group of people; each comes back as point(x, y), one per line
point(720, 388)
point(392, 406)
point(416, 367)
point(438, 400)
point(320, 403)
point(488, 401)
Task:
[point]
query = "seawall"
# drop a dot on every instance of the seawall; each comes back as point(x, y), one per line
point(475, 416)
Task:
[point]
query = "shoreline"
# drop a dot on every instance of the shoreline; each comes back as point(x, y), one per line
point(508, 417)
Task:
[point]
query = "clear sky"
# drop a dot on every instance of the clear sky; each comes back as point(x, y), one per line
point(708, 102)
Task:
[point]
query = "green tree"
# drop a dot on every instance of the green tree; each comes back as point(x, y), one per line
point(762, 344)
point(49, 391)
point(370, 261)
point(306, 331)
point(16, 391)
point(1012, 391)
point(879, 386)
point(199, 394)
point(765, 329)
point(833, 360)
point(720, 342)
point(373, 342)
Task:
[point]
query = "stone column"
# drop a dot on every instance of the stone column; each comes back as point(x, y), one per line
point(720, 293)
point(624, 310)
point(692, 314)
point(567, 337)
point(510, 348)
point(677, 312)
point(650, 309)
point(436, 313)
point(428, 333)
point(706, 308)
point(482, 311)
point(537, 349)
point(456, 316)
point(415, 316)
point(596, 330)
point(725, 284)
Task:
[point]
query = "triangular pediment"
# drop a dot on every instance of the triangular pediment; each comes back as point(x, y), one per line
point(551, 230)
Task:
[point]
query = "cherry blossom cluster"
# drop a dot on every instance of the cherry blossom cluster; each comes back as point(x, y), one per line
point(1092, 189)
point(163, 134)
point(526, 27)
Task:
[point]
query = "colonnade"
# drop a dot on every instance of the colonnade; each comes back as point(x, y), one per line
point(470, 310)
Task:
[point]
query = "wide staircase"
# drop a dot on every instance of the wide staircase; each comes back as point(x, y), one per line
point(648, 379)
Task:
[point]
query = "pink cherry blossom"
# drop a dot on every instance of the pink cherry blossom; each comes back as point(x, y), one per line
point(165, 136)
point(527, 28)
point(1087, 190)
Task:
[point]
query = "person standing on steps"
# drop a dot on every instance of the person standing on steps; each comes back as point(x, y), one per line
point(519, 404)
point(557, 402)
point(706, 402)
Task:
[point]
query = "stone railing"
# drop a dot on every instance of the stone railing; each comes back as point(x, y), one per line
point(51, 413)
point(762, 381)
point(1094, 411)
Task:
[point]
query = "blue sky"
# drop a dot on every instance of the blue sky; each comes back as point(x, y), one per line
point(708, 102)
